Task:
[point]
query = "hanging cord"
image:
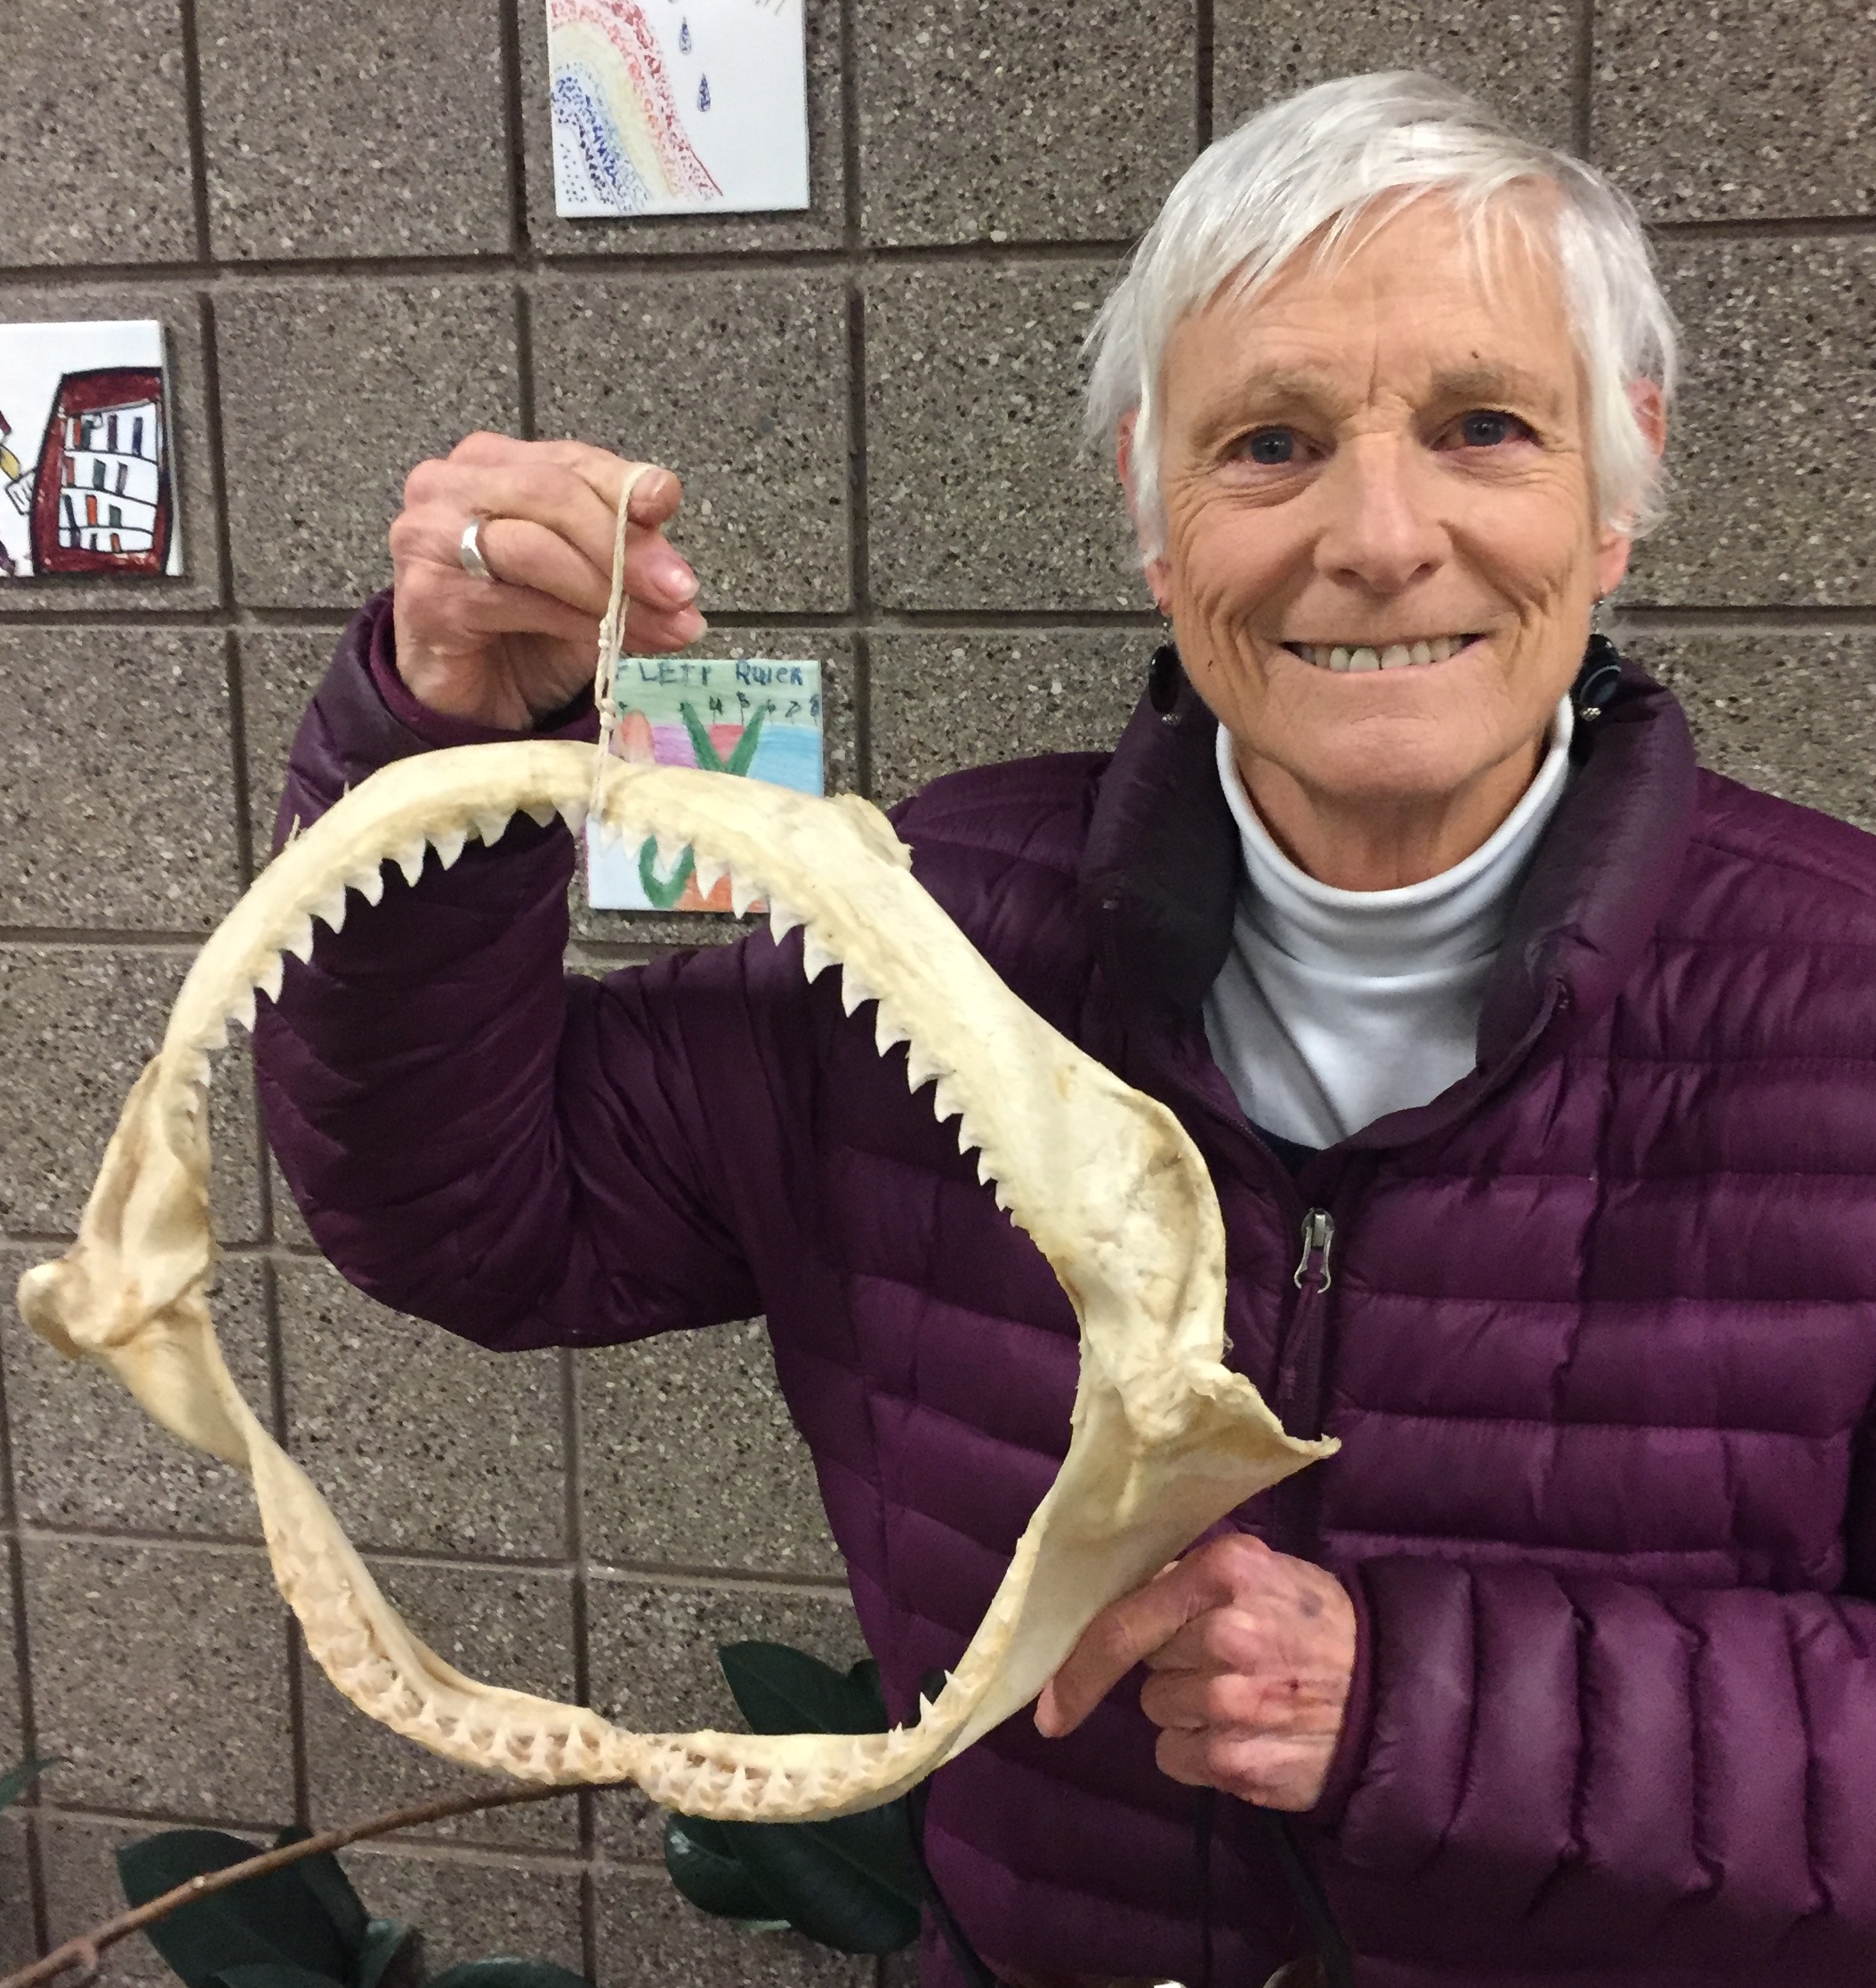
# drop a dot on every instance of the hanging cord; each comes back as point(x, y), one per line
point(612, 636)
point(1204, 1823)
point(1332, 1949)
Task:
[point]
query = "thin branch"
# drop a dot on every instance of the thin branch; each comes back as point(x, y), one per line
point(83, 1952)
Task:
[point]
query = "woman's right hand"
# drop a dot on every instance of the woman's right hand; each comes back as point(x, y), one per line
point(510, 650)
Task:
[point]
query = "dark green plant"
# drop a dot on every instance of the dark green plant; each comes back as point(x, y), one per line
point(301, 1927)
point(16, 1781)
point(855, 1884)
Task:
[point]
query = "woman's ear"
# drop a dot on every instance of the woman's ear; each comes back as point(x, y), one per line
point(1159, 574)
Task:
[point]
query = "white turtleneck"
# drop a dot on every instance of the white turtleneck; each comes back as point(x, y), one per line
point(1337, 1007)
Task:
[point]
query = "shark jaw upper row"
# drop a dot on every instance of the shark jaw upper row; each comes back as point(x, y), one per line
point(1394, 655)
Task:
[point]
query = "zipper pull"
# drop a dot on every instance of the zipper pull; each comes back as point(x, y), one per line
point(1318, 1234)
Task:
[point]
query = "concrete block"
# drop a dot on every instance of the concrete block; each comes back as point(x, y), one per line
point(79, 1022)
point(647, 1933)
point(381, 134)
point(653, 1668)
point(510, 1628)
point(690, 1460)
point(332, 393)
point(991, 123)
point(79, 1854)
point(1520, 59)
point(840, 770)
point(416, 1438)
point(280, 670)
point(739, 382)
point(160, 1673)
point(179, 312)
point(1772, 489)
point(85, 1453)
point(980, 493)
point(822, 224)
point(943, 700)
point(472, 1908)
point(17, 1943)
point(1733, 110)
point(117, 785)
point(1793, 712)
point(65, 196)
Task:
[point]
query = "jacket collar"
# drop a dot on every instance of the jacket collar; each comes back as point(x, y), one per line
point(1160, 867)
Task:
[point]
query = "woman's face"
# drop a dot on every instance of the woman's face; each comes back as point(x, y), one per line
point(1386, 461)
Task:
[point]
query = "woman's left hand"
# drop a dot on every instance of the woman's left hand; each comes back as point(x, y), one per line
point(1251, 1651)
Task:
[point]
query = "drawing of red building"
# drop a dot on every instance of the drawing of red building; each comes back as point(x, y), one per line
point(102, 500)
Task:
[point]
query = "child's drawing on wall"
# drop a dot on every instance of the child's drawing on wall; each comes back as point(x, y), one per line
point(673, 106)
point(747, 716)
point(86, 479)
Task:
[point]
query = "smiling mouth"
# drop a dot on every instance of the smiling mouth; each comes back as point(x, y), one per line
point(1393, 655)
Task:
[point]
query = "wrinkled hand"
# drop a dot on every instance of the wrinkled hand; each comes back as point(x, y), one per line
point(508, 651)
point(1252, 1654)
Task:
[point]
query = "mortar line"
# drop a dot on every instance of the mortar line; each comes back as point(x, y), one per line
point(1583, 78)
point(1204, 78)
point(513, 128)
point(198, 130)
point(859, 521)
point(23, 1668)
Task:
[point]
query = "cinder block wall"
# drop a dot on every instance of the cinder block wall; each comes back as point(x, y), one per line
point(344, 216)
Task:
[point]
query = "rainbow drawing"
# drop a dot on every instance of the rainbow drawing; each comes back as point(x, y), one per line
point(667, 107)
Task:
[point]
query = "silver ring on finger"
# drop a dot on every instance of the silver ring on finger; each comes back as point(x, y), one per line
point(469, 549)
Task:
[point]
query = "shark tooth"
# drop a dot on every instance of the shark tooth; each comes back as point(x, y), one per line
point(572, 813)
point(539, 812)
point(243, 1010)
point(369, 882)
point(710, 872)
point(410, 859)
point(854, 991)
point(299, 940)
point(946, 1103)
point(815, 959)
point(886, 1030)
point(271, 976)
point(744, 891)
point(492, 824)
point(921, 1067)
point(449, 843)
point(330, 910)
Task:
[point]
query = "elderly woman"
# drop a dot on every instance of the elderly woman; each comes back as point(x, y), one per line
point(1532, 1067)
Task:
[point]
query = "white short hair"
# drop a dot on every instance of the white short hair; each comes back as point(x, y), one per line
point(1313, 164)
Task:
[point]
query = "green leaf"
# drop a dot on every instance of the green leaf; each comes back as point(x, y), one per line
point(826, 1892)
point(501, 1972)
point(780, 1690)
point(277, 1918)
point(18, 1780)
point(664, 895)
point(706, 1869)
point(384, 1940)
point(270, 1974)
point(709, 760)
point(744, 751)
point(324, 1877)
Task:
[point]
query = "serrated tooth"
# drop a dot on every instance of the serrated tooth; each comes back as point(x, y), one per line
point(215, 1036)
point(572, 812)
point(886, 1030)
point(369, 883)
point(671, 853)
point(919, 1068)
point(410, 859)
point(744, 891)
point(783, 919)
point(449, 843)
point(854, 991)
point(243, 1011)
point(492, 824)
point(944, 1102)
point(271, 976)
point(540, 812)
point(985, 1172)
point(299, 941)
point(710, 872)
point(330, 910)
point(815, 959)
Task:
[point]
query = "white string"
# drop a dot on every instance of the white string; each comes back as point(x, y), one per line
point(612, 636)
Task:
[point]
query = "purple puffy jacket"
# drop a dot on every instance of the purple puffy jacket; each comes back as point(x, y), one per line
point(1599, 1340)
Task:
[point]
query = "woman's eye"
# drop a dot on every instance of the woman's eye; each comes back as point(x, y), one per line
point(1270, 446)
point(1487, 428)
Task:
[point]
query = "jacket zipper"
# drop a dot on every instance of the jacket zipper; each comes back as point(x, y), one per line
point(1299, 1378)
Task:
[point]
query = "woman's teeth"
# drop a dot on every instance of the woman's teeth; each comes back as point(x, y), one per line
point(1397, 655)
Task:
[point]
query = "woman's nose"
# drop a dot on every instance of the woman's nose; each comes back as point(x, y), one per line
point(1382, 530)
